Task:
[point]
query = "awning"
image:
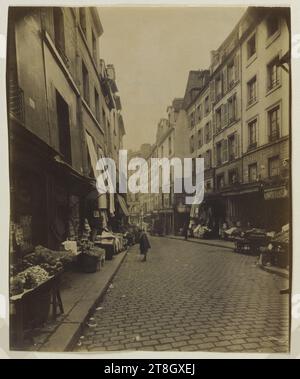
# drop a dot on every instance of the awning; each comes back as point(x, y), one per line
point(123, 205)
point(94, 159)
point(92, 153)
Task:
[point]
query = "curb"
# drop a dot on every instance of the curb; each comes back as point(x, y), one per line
point(276, 271)
point(72, 330)
point(202, 243)
point(69, 347)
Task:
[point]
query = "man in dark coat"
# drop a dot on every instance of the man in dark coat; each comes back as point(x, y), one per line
point(144, 245)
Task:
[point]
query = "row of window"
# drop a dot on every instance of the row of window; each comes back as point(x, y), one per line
point(273, 120)
point(225, 80)
point(228, 149)
point(202, 110)
point(204, 136)
point(273, 81)
point(273, 27)
point(253, 175)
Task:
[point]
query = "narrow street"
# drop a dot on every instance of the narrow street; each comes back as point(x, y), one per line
point(190, 297)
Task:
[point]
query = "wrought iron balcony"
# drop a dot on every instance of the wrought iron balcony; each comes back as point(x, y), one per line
point(274, 136)
point(16, 100)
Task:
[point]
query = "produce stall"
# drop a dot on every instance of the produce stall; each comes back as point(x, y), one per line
point(277, 253)
point(251, 241)
point(34, 288)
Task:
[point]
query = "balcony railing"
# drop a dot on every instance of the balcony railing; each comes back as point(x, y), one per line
point(231, 84)
point(252, 100)
point(252, 146)
point(16, 100)
point(273, 84)
point(274, 136)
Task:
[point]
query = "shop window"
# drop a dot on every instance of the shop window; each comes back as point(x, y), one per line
point(274, 123)
point(59, 35)
point(85, 83)
point(97, 104)
point(251, 87)
point(273, 73)
point(272, 25)
point(252, 126)
point(251, 46)
point(274, 166)
point(82, 19)
point(252, 172)
point(63, 123)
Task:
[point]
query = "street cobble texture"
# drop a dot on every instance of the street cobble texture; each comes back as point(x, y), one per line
point(190, 297)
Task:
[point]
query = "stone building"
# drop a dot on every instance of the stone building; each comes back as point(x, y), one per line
point(58, 116)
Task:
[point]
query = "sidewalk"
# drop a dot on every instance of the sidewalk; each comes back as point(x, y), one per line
point(80, 292)
point(210, 242)
point(230, 245)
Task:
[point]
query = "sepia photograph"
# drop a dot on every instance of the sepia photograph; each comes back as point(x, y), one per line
point(149, 178)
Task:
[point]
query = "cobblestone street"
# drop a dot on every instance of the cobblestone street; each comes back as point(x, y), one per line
point(190, 297)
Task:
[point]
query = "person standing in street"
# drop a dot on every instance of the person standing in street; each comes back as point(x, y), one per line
point(186, 231)
point(144, 245)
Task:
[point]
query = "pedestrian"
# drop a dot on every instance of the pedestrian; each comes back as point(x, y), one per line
point(144, 245)
point(186, 231)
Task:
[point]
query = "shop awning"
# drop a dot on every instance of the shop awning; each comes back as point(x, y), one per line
point(123, 205)
point(94, 159)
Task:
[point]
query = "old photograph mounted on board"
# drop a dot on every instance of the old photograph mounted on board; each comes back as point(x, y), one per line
point(149, 178)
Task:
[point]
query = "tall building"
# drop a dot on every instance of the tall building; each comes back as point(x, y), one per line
point(58, 114)
point(236, 116)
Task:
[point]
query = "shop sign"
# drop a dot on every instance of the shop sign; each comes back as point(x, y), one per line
point(276, 193)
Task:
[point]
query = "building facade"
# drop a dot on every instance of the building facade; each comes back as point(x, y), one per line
point(57, 116)
point(236, 116)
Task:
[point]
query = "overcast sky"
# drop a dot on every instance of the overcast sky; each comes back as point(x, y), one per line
point(153, 49)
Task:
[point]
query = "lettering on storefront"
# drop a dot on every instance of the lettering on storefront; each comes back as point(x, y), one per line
point(273, 194)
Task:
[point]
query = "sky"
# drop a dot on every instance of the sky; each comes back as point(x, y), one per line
point(153, 49)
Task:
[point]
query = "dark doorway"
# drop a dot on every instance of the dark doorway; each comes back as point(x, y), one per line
point(63, 124)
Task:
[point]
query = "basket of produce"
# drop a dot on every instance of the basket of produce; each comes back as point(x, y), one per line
point(90, 256)
point(36, 308)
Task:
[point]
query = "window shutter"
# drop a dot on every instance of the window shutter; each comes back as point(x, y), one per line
point(236, 108)
point(237, 147)
point(225, 114)
point(222, 116)
point(214, 163)
point(212, 91)
point(225, 79)
point(237, 67)
point(214, 123)
point(224, 151)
